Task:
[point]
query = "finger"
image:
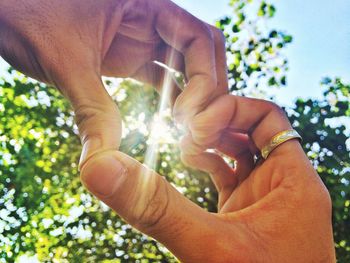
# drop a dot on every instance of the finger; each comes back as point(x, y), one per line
point(126, 54)
point(194, 40)
point(238, 147)
point(96, 114)
point(148, 202)
point(208, 162)
point(171, 58)
point(235, 146)
point(222, 175)
point(162, 79)
point(220, 61)
point(259, 119)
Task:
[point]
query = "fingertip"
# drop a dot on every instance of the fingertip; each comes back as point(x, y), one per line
point(197, 95)
point(90, 148)
point(189, 147)
point(101, 174)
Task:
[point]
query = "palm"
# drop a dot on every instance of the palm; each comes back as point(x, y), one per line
point(131, 55)
point(252, 189)
point(257, 181)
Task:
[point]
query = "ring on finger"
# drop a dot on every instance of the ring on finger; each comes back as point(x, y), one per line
point(278, 140)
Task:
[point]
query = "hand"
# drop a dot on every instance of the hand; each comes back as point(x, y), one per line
point(276, 211)
point(71, 44)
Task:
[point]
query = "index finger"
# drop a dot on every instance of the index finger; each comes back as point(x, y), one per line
point(194, 39)
point(260, 119)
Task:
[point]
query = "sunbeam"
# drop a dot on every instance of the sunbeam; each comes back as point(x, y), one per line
point(159, 128)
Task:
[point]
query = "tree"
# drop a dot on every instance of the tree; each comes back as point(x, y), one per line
point(325, 127)
point(46, 213)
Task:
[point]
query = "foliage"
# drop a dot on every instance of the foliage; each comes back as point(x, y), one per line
point(325, 127)
point(44, 210)
point(46, 213)
point(255, 52)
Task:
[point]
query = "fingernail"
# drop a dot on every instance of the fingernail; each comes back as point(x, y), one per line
point(89, 148)
point(101, 175)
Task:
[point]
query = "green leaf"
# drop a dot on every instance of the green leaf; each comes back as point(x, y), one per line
point(287, 38)
point(235, 28)
point(271, 10)
point(284, 80)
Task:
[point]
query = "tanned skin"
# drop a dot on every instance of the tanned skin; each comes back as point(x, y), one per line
point(277, 210)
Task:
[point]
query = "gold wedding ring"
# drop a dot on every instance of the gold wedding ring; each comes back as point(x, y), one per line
point(277, 140)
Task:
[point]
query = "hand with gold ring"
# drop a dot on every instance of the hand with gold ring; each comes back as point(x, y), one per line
point(71, 44)
point(275, 210)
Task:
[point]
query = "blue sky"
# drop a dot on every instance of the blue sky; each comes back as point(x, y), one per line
point(321, 44)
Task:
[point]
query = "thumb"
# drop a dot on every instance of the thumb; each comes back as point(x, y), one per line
point(96, 115)
point(149, 203)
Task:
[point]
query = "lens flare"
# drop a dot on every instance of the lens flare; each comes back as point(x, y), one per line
point(160, 131)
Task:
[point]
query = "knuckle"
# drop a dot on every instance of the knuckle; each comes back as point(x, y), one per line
point(199, 138)
point(320, 198)
point(219, 36)
point(154, 209)
point(90, 116)
point(187, 160)
point(195, 124)
point(205, 141)
point(203, 133)
point(211, 84)
point(200, 135)
point(86, 111)
point(273, 107)
point(205, 31)
point(189, 147)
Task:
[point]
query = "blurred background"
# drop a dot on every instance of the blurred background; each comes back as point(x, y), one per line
point(292, 52)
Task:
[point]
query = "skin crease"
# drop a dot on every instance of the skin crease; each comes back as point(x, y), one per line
point(72, 45)
point(276, 211)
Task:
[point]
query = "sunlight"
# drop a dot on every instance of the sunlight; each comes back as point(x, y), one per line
point(160, 131)
point(159, 134)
